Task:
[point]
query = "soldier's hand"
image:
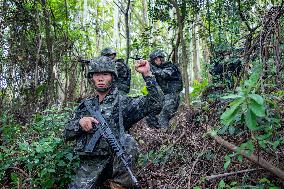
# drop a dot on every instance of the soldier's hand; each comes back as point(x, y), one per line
point(143, 67)
point(87, 123)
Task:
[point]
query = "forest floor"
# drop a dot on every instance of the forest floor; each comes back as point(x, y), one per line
point(185, 156)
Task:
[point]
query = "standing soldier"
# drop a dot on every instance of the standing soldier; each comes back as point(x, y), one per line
point(121, 112)
point(123, 71)
point(169, 78)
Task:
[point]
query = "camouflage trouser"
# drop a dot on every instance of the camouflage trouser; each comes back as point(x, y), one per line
point(95, 170)
point(171, 103)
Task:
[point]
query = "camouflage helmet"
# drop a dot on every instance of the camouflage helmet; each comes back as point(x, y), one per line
point(157, 53)
point(101, 64)
point(107, 51)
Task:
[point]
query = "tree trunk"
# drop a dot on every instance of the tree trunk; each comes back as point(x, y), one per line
point(277, 51)
point(195, 55)
point(97, 29)
point(127, 31)
point(71, 90)
point(49, 95)
point(39, 43)
point(184, 60)
point(145, 13)
point(116, 26)
point(184, 69)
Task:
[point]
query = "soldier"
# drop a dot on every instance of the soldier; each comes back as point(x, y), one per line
point(121, 112)
point(169, 78)
point(123, 71)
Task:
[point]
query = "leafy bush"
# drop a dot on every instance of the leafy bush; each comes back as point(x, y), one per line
point(255, 111)
point(198, 87)
point(35, 155)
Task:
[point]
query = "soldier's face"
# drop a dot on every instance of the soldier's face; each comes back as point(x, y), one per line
point(158, 61)
point(102, 80)
point(112, 56)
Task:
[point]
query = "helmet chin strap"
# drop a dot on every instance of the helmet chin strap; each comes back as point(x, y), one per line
point(109, 86)
point(102, 89)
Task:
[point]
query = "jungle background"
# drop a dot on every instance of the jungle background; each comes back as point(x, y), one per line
point(228, 131)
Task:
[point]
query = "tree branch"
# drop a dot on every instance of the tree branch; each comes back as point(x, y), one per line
point(243, 17)
point(254, 158)
point(229, 174)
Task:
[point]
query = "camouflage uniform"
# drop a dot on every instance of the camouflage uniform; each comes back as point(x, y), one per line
point(101, 164)
point(169, 79)
point(123, 71)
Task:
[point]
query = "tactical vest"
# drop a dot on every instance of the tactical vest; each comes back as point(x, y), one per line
point(172, 84)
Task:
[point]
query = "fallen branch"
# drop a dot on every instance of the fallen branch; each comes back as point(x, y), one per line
point(256, 159)
point(229, 174)
point(20, 170)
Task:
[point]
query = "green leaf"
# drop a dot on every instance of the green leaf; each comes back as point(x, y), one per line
point(274, 187)
point(14, 177)
point(51, 170)
point(223, 129)
point(231, 96)
point(39, 149)
point(258, 110)
point(232, 130)
point(262, 143)
point(263, 137)
point(264, 180)
point(233, 183)
point(228, 116)
point(227, 163)
point(197, 187)
point(24, 146)
point(251, 120)
point(213, 133)
point(237, 101)
point(250, 148)
point(275, 144)
point(257, 98)
point(221, 184)
point(144, 90)
point(240, 158)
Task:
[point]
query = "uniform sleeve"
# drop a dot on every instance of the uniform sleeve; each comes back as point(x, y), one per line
point(73, 128)
point(124, 77)
point(135, 109)
point(163, 72)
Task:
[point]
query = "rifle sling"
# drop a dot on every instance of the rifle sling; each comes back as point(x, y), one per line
point(120, 121)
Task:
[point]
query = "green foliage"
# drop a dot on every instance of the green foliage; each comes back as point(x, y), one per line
point(38, 150)
point(160, 11)
point(144, 90)
point(197, 187)
point(254, 111)
point(223, 184)
point(156, 157)
point(245, 104)
point(198, 87)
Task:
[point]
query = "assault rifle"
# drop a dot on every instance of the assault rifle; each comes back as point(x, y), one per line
point(84, 61)
point(104, 130)
point(136, 57)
